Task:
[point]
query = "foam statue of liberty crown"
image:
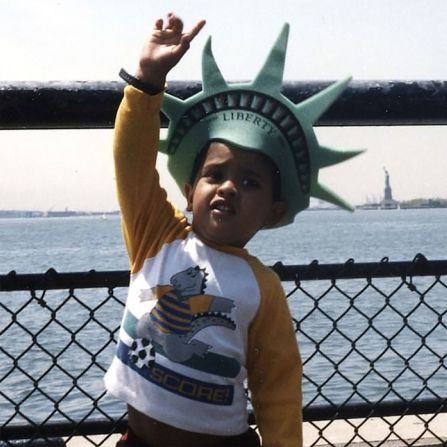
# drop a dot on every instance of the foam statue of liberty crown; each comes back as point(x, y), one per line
point(255, 116)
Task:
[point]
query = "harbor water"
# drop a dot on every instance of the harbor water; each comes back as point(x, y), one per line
point(33, 245)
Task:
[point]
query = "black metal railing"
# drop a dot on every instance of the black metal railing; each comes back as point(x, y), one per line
point(88, 104)
point(372, 335)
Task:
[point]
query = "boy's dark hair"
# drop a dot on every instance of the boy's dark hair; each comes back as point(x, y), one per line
point(276, 175)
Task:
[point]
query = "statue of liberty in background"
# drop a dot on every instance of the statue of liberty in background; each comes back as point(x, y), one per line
point(388, 202)
point(388, 195)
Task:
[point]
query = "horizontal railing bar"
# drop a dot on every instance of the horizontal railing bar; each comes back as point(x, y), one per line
point(85, 428)
point(93, 104)
point(310, 414)
point(52, 279)
point(352, 270)
point(383, 409)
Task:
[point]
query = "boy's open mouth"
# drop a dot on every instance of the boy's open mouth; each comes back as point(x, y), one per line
point(222, 207)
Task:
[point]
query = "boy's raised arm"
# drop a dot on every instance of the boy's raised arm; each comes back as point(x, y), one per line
point(137, 129)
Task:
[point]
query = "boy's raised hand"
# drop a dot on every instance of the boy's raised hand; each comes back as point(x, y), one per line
point(164, 48)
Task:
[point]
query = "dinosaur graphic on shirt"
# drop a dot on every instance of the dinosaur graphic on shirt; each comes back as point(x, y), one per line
point(181, 311)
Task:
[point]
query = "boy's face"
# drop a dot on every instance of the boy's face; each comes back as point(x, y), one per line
point(231, 198)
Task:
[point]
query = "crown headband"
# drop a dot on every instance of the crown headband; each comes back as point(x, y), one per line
point(258, 117)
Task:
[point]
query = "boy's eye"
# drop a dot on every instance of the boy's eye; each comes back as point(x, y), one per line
point(248, 182)
point(213, 174)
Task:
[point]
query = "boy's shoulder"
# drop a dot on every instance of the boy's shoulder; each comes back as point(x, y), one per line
point(263, 271)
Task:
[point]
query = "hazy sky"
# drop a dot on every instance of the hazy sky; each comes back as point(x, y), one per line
point(91, 40)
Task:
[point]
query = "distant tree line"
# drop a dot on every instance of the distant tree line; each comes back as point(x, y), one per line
point(424, 203)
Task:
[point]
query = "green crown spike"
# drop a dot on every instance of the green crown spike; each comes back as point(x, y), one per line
point(172, 107)
point(323, 193)
point(311, 109)
point(255, 117)
point(272, 72)
point(328, 157)
point(213, 80)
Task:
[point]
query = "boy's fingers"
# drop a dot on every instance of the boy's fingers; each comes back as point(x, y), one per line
point(195, 30)
point(174, 23)
point(158, 25)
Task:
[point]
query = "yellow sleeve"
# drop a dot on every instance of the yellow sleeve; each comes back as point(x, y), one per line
point(148, 217)
point(275, 368)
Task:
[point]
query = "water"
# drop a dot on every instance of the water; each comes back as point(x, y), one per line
point(66, 244)
point(85, 243)
point(366, 236)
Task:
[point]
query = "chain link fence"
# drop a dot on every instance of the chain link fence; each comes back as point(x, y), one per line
point(373, 338)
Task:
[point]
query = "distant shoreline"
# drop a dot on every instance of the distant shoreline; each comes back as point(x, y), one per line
point(11, 214)
point(378, 208)
point(32, 214)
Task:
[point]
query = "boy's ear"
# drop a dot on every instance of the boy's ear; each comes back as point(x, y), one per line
point(279, 209)
point(189, 193)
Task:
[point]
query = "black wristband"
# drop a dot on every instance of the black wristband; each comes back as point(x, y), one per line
point(140, 85)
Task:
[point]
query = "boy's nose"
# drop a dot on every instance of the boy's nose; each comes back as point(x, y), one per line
point(227, 188)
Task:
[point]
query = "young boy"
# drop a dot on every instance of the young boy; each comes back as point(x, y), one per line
point(203, 317)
